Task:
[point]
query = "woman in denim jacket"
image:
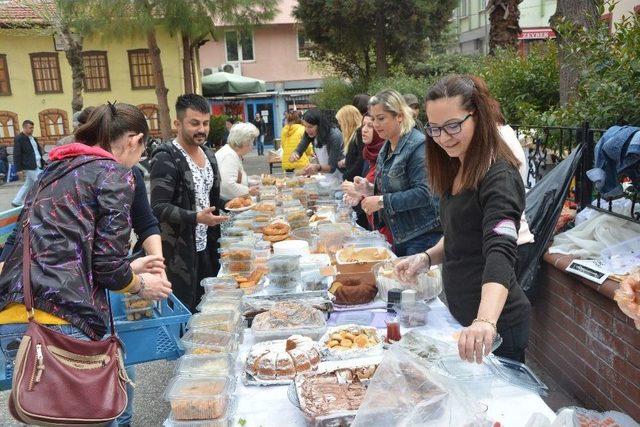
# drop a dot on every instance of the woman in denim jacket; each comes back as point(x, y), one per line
point(400, 196)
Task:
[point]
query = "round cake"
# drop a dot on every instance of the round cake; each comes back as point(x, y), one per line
point(353, 292)
point(283, 359)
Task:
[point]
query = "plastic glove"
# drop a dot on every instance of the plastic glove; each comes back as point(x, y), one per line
point(408, 269)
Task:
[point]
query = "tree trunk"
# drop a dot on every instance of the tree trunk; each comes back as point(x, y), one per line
point(187, 64)
point(73, 52)
point(504, 16)
point(164, 119)
point(382, 66)
point(582, 13)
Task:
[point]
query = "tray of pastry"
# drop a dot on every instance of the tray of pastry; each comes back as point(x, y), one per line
point(331, 397)
point(351, 341)
point(277, 362)
point(288, 318)
point(253, 306)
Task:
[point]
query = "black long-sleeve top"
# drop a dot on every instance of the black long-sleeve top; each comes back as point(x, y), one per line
point(353, 161)
point(480, 233)
point(143, 222)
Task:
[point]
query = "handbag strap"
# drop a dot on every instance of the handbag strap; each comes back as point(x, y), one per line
point(26, 248)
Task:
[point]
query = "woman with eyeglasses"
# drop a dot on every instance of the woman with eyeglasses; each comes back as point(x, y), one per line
point(400, 197)
point(481, 200)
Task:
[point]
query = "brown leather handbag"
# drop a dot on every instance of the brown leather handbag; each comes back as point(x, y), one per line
point(59, 380)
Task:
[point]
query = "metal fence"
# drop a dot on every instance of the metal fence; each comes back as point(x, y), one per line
point(548, 146)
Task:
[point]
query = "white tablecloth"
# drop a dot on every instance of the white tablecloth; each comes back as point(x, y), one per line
point(269, 405)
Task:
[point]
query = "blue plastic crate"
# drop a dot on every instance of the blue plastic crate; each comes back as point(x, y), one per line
point(144, 340)
point(151, 339)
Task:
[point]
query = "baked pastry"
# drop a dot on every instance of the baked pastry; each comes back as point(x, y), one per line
point(276, 229)
point(324, 394)
point(268, 179)
point(237, 255)
point(282, 359)
point(353, 338)
point(238, 202)
point(286, 315)
point(265, 207)
point(189, 403)
point(352, 292)
point(353, 255)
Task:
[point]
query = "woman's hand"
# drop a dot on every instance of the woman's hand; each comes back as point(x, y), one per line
point(408, 269)
point(351, 200)
point(294, 157)
point(363, 186)
point(371, 204)
point(152, 264)
point(476, 341)
point(155, 287)
point(311, 169)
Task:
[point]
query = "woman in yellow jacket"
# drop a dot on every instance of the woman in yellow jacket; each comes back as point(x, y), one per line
point(291, 136)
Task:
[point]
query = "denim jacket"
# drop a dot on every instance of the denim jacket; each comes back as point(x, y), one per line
point(410, 208)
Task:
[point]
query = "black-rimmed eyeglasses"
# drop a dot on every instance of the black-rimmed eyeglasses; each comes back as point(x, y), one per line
point(450, 128)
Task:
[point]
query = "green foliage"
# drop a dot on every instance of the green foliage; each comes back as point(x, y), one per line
point(216, 129)
point(403, 83)
point(609, 85)
point(524, 85)
point(335, 93)
point(353, 36)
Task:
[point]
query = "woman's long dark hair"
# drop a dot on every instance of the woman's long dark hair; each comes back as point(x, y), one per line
point(109, 122)
point(486, 145)
point(316, 117)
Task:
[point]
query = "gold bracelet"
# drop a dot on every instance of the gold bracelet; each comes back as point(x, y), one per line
point(483, 320)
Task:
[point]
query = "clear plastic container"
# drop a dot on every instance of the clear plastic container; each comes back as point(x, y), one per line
point(215, 305)
point(427, 286)
point(238, 267)
point(623, 257)
point(193, 398)
point(413, 314)
point(259, 226)
point(314, 261)
point(233, 293)
point(201, 342)
point(227, 420)
point(227, 242)
point(283, 264)
point(225, 321)
point(215, 365)
point(351, 255)
point(244, 223)
point(236, 232)
point(238, 252)
point(285, 281)
point(137, 308)
point(214, 283)
point(313, 332)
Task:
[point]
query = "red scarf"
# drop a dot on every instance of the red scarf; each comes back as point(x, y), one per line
point(370, 151)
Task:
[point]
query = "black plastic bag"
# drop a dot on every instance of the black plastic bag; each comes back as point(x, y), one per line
point(543, 206)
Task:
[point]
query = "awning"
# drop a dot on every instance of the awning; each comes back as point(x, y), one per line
point(222, 83)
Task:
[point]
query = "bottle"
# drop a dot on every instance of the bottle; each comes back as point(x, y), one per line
point(393, 329)
point(394, 298)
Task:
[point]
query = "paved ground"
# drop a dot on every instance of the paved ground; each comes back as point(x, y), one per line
point(150, 408)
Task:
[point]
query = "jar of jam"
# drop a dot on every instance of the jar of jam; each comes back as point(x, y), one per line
point(393, 329)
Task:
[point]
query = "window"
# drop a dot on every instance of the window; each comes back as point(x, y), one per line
point(304, 45)
point(8, 126)
point(464, 8)
point(5, 87)
point(150, 112)
point(239, 45)
point(46, 72)
point(141, 69)
point(96, 71)
point(53, 125)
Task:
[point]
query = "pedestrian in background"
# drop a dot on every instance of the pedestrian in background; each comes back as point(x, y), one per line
point(27, 157)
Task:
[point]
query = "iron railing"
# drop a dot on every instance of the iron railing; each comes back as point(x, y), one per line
point(547, 146)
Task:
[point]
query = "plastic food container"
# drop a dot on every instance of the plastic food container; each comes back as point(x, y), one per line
point(214, 283)
point(623, 257)
point(225, 321)
point(194, 398)
point(215, 365)
point(313, 332)
point(428, 284)
point(200, 342)
point(414, 314)
point(227, 420)
point(231, 293)
point(259, 226)
point(283, 264)
point(227, 242)
point(308, 235)
point(238, 267)
point(351, 255)
point(236, 232)
point(285, 281)
point(291, 247)
point(137, 308)
point(215, 305)
point(314, 261)
point(238, 252)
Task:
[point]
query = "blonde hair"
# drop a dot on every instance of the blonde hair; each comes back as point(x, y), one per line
point(349, 119)
point(394, 103)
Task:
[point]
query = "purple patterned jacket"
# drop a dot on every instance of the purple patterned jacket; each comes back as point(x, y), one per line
point(80, 226)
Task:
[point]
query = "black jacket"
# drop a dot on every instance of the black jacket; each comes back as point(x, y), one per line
point(80, 229)
point(173, 203)
point(23, 156)
point(353, 161)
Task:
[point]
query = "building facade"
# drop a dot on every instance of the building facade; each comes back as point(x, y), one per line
point(36, 80)
point(470, 23)
point(275, 52)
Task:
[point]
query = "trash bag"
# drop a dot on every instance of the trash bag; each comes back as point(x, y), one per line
point(543, 205)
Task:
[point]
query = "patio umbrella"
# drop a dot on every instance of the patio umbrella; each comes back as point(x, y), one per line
point(222, 83)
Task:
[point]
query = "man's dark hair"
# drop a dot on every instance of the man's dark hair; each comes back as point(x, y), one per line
point(231, 119)
point(193, 101)
point(27, 122)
